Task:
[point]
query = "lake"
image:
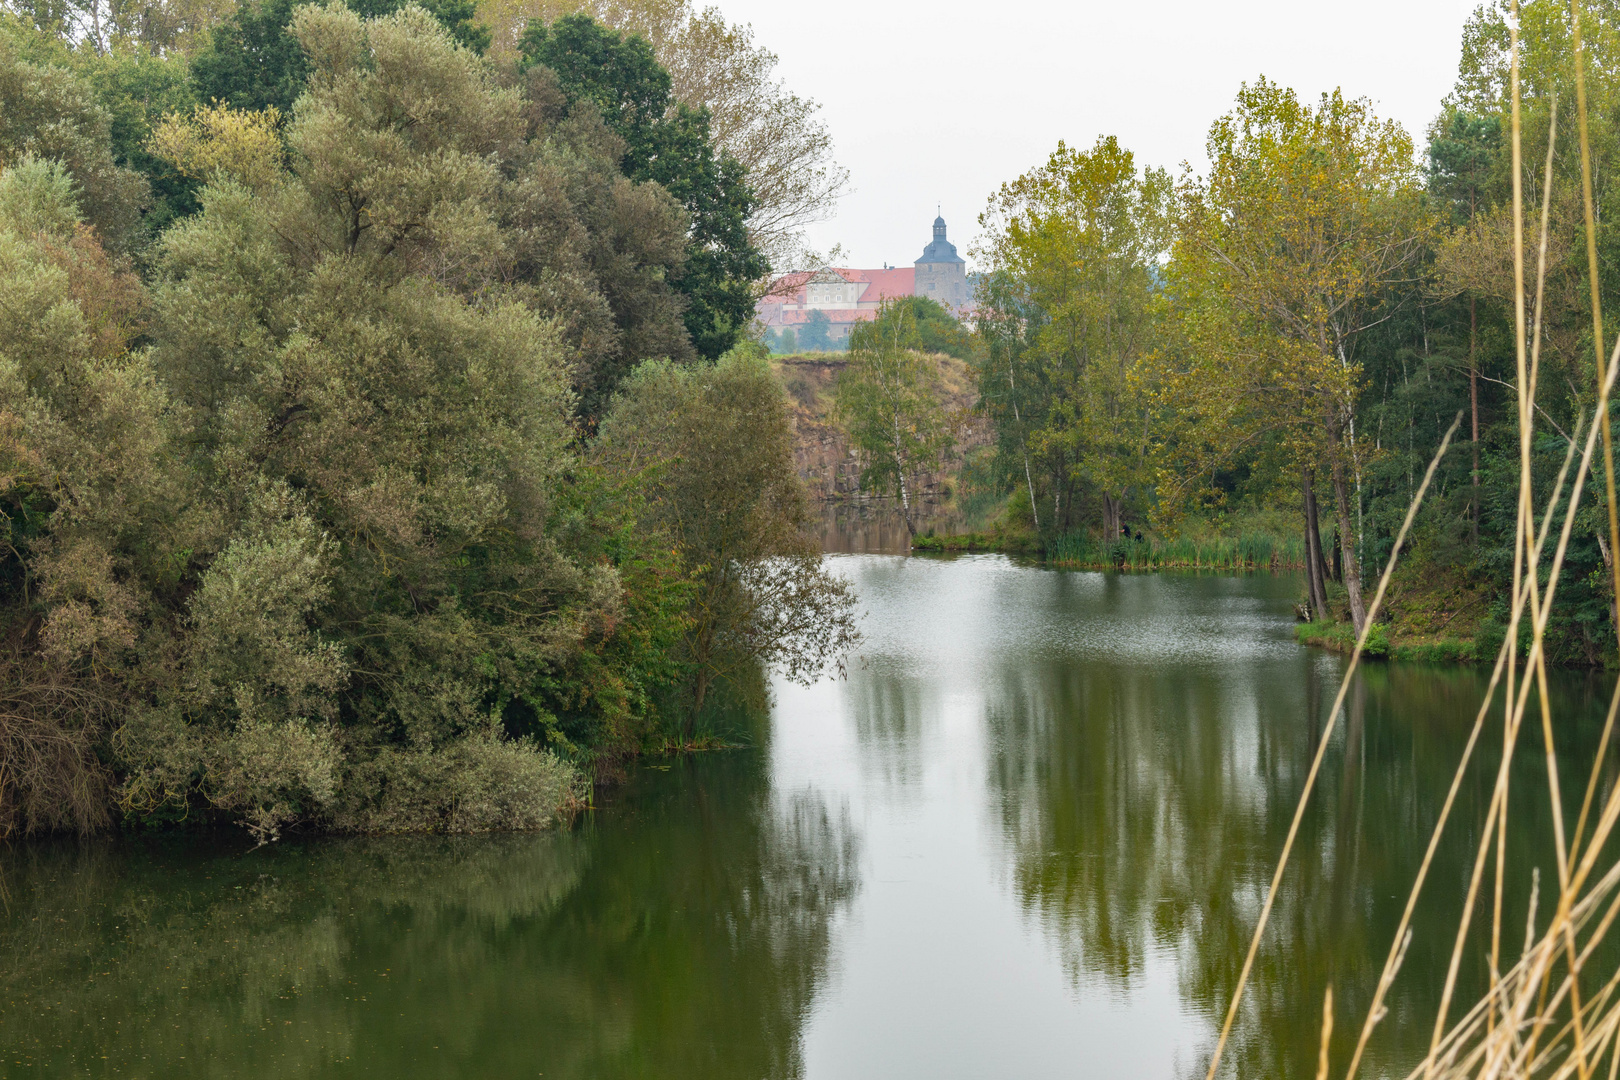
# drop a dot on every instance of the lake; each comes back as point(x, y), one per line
point(1027, 836)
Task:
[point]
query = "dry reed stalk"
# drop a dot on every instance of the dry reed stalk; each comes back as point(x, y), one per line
point(1500, 1051)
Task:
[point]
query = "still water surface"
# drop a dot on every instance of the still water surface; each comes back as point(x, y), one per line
point(1027, 837)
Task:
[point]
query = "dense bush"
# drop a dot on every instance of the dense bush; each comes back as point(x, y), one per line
point(299, 530)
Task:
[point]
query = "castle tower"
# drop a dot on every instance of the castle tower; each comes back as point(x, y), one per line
point(941, 274)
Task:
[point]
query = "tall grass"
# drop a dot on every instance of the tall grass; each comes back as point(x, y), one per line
point(1251, 551)
point(1551, 1011)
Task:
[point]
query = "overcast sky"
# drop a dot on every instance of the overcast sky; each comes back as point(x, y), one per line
point(940, 102)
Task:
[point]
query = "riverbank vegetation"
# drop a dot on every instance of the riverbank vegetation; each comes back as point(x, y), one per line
point(1287, 336)
point(337, 490)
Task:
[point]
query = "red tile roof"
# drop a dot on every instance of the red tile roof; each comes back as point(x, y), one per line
point(886, 284)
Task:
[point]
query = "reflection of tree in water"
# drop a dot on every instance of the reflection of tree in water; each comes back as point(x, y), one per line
point(686, 938)
point(1144, 810)
point(697, 948)
point(888, 700)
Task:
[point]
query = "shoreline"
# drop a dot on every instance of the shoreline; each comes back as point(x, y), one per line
point(1341, 638)
point(1336, 637)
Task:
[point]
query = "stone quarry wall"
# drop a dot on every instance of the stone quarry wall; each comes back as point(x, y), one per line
point(828, 465)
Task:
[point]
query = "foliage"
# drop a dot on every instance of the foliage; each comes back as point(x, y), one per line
point(1309, 218)
point(937, 330)
point(324, 552)
point(47, 112)
point(1072, 250)
point(816, 335)
point(1327, 306)
point(255, 61)
point(666, 142)
point(1247, 551)
point(889, 404)
point(716, 67)
point(716, 442)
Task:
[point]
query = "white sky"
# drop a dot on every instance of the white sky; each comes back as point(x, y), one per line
point(941, 102)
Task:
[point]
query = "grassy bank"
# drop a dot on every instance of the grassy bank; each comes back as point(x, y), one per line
point(1250, 551)
point(1341, 637)
point(1011, 543)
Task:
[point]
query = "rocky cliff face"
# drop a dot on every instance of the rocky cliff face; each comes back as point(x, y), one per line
point(828, 465)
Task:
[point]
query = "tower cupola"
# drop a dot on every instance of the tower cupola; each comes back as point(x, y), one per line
point(941, 250)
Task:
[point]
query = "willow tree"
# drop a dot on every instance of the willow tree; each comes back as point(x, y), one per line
point(1080, 241)
point(1309, 220)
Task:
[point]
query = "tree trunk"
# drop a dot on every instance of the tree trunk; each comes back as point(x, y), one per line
point(1473, 406)
point(1317, 584)
point(900, 472)
point(700, 690)
point(1111, 513)
point(1023, 447)
point(1347, 546)
point(905, 506)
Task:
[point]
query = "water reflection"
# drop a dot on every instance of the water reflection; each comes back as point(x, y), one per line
point(683, 935)
point(1140, 743)
point(1028, 836)
point(876, 527)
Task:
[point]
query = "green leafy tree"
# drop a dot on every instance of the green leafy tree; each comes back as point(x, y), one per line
point(888, 402)
point(716, 442)
point(47, 111)
point(937, 329)
point(87, 493)
point(1310, 217)
point(669, 143)
point(1462, 155)
point(254, 61)
point(137, 89)
point(1080, 239)
point(816, 334)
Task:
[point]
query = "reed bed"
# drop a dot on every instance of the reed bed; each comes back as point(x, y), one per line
point(1552, 1010)
point(1251, 551)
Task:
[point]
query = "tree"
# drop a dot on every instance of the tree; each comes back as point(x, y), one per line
point(1080, 240)
point(106, 27)
point(668, 143)
point(817, 333)
point(888, 403)
point(1462, 152)
point(83, 435)
point(1308, 219)
point(47, 112)
point(255, 62)
point(716, 442)
point(785, 341)
point(776, 135)
point(937, 329)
